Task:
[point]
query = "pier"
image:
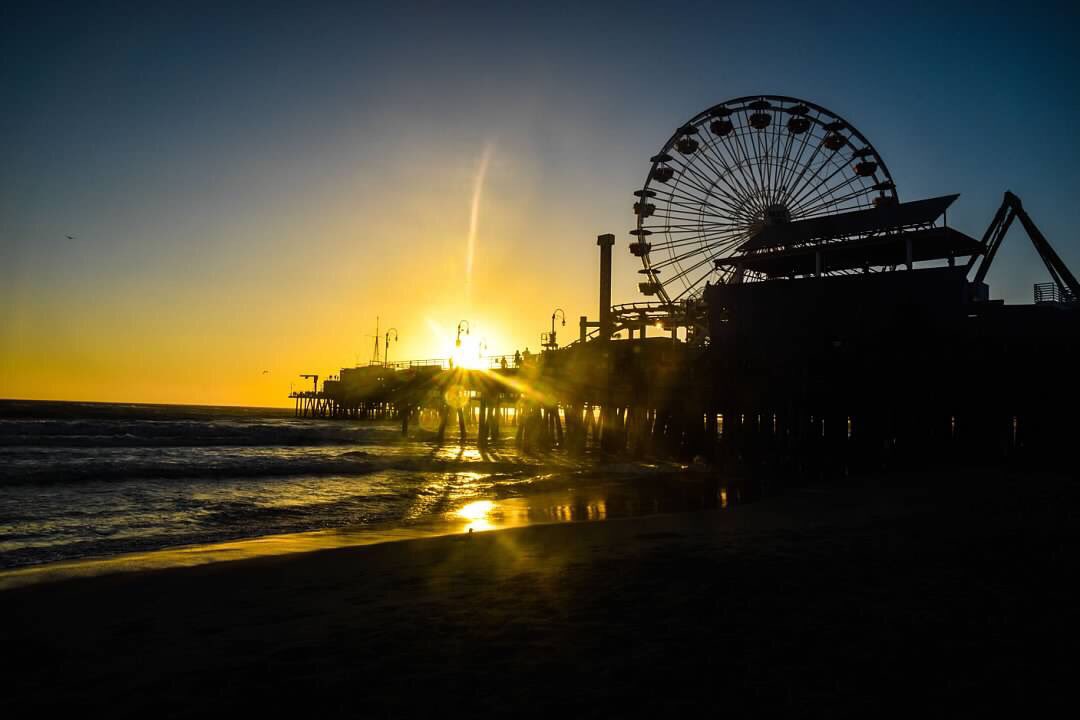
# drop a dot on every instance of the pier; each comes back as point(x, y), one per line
point(815, 322)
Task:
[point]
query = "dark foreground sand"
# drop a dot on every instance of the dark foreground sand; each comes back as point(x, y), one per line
point(929, 592)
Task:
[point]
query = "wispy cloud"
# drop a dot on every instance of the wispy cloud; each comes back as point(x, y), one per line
point(474, 215)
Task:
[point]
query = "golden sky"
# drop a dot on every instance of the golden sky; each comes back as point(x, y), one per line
point(298, 289)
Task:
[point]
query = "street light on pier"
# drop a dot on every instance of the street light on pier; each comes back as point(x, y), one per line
point(457, 342)
point(551, 342)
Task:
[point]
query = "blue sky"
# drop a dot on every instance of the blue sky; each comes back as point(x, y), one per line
point(204, 157)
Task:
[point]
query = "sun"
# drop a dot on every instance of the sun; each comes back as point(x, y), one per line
point(468, 354)
point(465, 347)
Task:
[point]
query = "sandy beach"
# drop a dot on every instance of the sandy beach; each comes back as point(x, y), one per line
point(923, 591)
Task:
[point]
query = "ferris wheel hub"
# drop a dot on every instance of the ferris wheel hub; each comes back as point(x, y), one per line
point(776, 214)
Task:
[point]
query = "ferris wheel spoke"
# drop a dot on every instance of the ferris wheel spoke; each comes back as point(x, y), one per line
point(698, 242)
point(771, 150)
point(781, 158)
point(738, 193)
point(791, 161)
point(751, 177)
point(696, 210)
point(785, 180)
point(710, 250)
point(723, 175)
point(728, 209)
point(673, 230)
point(690, 203)
point(753, 192)
point(721, 170)
point(795, 184)
point(677, 257)
point(824, 183)
point(711, 243)
point(677, 219)
point(684, 225)
point(689, 181)
point(767, 156)
point(812, 210)
point(731, 165)
point(691, 287)
point(753, 139)
point(701, 181)
point(815, 182)
point(829, 189)
point(781, 170)
point(826, 206)
point(690, 193)
point(686, 271)
point(698, 222)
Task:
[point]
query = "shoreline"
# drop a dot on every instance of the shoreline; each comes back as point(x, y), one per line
point(548, 498)
point(924, 587)
point(281, 544)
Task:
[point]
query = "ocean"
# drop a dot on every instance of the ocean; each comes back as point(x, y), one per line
point(92, 480)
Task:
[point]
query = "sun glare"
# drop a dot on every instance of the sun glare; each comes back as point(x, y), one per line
point(466, 347)
point(468, 354)
point(476, 510)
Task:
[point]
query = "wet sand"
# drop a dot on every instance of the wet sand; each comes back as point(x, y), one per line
point(920, 590)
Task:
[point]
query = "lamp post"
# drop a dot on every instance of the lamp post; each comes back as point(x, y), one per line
point(551, 342)
point(457, 342)
point(386, 345)
point(558, 311)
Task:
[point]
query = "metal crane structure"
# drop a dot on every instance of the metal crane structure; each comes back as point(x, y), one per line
point(1063, 289)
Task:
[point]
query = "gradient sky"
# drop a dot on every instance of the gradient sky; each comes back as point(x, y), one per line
point(248, 189)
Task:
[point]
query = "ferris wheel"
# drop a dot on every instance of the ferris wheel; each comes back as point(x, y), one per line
point(737, 167)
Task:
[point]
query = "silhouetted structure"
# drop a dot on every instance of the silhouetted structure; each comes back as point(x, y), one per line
point(825, 324)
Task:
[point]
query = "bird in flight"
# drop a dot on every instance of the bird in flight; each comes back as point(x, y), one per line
point(266, 372)
point(70, 237)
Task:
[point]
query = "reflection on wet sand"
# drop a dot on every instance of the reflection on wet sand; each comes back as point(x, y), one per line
point(447, 504)
point(589, 502)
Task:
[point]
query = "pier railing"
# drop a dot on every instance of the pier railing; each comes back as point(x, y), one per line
point(406, 364)
point(1050, 292)
point(494, 362)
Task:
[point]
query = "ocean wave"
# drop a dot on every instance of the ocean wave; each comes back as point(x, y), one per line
point(127, 433)
point(215, 467)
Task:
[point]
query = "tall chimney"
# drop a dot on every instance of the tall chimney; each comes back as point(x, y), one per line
point(605, 242)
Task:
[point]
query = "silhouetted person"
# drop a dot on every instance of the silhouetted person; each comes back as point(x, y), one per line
point(502, 362)
point(517, 358)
